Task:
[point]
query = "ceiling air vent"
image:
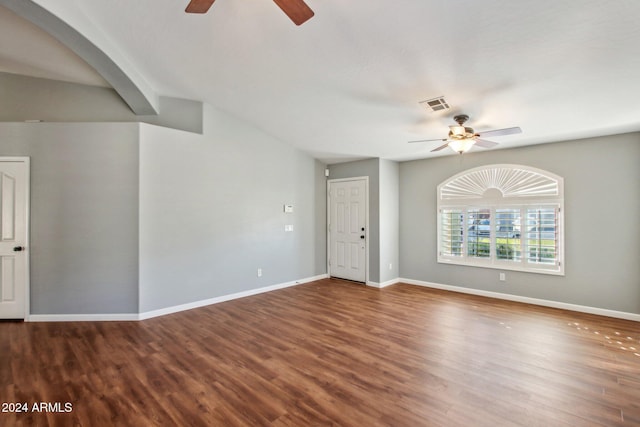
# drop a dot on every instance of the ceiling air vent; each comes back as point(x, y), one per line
point(435, 104)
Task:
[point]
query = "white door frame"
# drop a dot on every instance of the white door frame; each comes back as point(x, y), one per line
point(27, 212)
point(366, 222)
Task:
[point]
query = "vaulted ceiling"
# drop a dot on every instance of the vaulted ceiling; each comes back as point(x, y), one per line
point(347, 83)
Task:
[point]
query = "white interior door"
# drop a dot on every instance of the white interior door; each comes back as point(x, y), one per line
point(14, 176)
point(347, 229)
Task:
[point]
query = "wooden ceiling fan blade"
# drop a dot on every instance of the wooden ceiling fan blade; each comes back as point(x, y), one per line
point(501, 132)
point(199, 6)
point(296, 10)
point(484, 143)
point(427, 140)
point(441, 147)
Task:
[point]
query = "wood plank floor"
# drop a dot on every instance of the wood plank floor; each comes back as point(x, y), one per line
point(330, 353)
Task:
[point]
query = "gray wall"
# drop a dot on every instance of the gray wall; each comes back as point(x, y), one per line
point(84, 214)
point(211, 212)
point(129, 217)
point(389, 220)
point(320, 220)
point(28, 98)
point(602, 231)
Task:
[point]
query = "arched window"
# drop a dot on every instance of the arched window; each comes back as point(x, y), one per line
point(506, 217)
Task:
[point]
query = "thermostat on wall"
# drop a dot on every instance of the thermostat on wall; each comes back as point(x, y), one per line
point(288, 208)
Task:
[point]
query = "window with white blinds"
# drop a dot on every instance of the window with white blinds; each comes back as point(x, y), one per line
point(478, 233)
point(503, 217)
point(542, 236)
point(451, 230)
point(508, 234)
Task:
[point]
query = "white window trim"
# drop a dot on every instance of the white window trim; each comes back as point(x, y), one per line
point(496, 187)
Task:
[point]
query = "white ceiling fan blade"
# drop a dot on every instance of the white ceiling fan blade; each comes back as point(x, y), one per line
point(428, 140)
point(441, 147)
point(484, 143)
point(500, 132)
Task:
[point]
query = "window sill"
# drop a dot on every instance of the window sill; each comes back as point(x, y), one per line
point(497, 265)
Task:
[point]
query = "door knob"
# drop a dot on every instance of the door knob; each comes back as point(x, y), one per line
point(18, 248)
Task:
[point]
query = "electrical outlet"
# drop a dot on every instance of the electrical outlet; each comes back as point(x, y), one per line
point(503, 277)
point(259, 272)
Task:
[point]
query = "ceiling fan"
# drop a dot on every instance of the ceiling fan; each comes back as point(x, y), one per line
point(461, 138)
point(296, 10)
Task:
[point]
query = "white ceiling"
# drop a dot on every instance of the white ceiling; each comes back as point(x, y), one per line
point(347, 83)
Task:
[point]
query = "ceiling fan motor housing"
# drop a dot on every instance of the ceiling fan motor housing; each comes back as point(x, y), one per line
point(461, 132)
point(460, 119)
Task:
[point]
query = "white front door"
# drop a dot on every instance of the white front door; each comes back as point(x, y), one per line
point(347, 229)
point(14, 178)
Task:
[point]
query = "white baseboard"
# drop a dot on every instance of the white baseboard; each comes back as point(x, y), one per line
point(188, 306)
point(527, 300)
point(383, 284)
point(125, 317)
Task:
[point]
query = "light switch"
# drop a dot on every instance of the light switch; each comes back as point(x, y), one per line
point(288, 227)
point(288, 208)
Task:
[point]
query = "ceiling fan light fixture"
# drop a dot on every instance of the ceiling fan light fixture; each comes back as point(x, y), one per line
point(461, 145)
point(457, 131)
